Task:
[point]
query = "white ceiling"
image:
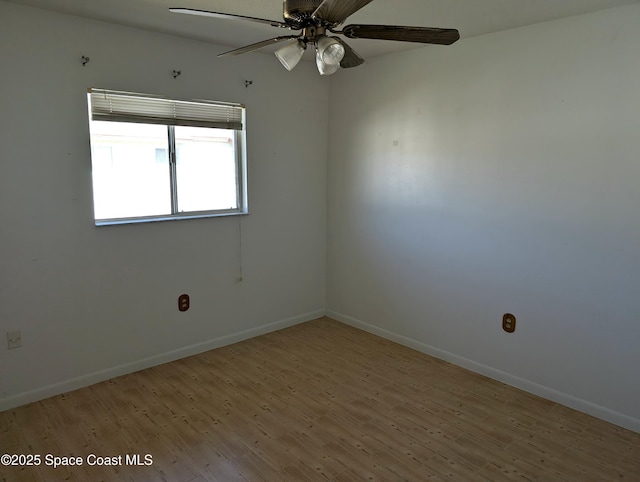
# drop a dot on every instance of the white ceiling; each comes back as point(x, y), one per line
point(470, 17)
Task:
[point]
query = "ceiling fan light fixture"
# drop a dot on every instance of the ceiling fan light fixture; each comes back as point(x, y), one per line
point(323, 67)
point(330, 50)
point(314, 18)
point(290, 54)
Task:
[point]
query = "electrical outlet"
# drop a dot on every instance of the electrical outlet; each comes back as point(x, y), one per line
point(509, 323)
point(14, 339)
point(183, 302)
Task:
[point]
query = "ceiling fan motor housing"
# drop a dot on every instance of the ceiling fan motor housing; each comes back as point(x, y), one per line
point(299, 10)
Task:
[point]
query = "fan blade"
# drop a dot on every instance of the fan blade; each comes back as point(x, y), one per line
point(425, 35)
point(205, 13)
point(258, 45)
point(351, 57)
point(336, 11)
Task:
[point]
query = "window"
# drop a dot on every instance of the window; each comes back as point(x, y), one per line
point(156, 159)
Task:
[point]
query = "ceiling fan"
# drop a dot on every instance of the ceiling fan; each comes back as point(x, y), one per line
point(314, 19)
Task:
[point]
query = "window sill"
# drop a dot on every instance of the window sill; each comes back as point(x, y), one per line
point(174, 217)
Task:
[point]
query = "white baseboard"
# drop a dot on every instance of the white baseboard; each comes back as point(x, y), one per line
point(102, 375)
point(504, 377)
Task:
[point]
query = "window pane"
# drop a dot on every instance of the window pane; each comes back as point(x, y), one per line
point(130, 170)
point(206, 169)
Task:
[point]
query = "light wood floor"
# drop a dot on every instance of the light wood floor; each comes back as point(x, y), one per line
point(318, 401)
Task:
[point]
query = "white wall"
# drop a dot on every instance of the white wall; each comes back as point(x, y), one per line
point(95, 302)
point(498, 175)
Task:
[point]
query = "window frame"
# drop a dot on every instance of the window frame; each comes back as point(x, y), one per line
point(240, 161)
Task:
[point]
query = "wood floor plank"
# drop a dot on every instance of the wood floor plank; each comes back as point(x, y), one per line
point(318, 401)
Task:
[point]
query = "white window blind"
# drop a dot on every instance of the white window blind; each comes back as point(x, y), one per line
point(110, 105)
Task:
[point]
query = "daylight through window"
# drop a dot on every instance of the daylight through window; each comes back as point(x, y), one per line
point(155, 158)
